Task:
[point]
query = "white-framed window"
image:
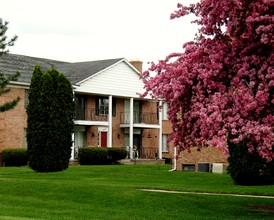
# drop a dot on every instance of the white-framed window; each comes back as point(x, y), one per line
point(164, 111)
point(102, 105)
point(164, 143)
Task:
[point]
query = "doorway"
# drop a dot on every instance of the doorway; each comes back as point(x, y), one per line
point(103, 138)
point(79, 140)
point(137, 143)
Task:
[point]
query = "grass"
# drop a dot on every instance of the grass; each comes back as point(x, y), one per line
point(112, 192)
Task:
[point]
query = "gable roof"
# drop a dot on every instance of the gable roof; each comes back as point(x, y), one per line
point(78, 72)
point(75, 72)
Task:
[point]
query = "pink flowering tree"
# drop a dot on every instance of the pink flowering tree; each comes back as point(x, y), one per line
point(220, 90)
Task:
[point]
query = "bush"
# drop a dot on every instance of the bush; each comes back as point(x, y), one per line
point(115, 154)
point(98, 155)
point(15, 157)
point(93, 155)
point(248, 168)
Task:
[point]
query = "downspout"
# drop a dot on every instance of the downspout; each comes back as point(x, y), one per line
point(174, 160)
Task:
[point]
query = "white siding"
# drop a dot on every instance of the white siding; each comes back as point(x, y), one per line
point(119, 80)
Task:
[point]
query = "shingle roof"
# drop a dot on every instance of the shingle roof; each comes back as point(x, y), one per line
point(76, 72)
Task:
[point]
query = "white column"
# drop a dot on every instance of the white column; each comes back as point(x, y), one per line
point(72, 137)
point(131, 126)
point(160, 131)
point(109, 140)
point(72, 147)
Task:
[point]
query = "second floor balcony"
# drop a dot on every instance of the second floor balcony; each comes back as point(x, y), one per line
point(89, 114)
point(139, 118)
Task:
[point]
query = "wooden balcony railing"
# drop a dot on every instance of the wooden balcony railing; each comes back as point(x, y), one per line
point(146, 118)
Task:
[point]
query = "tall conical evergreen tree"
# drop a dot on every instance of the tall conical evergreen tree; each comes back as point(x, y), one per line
point(53, 110)
point(34, 130)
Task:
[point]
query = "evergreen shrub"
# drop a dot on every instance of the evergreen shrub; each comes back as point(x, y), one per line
point(15, 157)
point(115, 154)
point(93, 155)
point(98, 155)
point(50, 121)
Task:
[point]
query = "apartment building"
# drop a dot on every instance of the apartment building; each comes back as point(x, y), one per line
point(109, 111)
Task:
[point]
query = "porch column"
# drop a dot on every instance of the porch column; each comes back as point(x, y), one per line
point(131, 127)
point(109, 140)
point(72, 136)
point(160, 131)
point(72, 147)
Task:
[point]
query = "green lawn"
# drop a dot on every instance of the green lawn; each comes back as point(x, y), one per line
point(112, 192)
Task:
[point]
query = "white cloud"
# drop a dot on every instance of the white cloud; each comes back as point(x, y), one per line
point(84, 30)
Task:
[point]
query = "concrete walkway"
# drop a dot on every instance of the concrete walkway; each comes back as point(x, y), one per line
point(205, 193)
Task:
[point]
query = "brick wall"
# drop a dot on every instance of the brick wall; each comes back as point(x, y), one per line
point(205, 155)
point(13, 122)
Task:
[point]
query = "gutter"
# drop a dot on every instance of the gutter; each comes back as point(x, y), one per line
point(15, 83)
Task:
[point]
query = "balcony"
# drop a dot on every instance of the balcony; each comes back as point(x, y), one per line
point(139, 118)
point(88, 114)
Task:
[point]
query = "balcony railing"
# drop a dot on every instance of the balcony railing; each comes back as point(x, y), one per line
point(146, 118)
point(90, 115)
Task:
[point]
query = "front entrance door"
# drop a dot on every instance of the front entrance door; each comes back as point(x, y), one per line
point(137, 143)
point(79, 141)
point(103, 139)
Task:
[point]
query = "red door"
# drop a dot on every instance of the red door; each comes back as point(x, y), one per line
point(103, 139)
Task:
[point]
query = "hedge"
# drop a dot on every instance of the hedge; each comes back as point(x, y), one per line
point(15, 157)
point(115, 154)
point(98, 155)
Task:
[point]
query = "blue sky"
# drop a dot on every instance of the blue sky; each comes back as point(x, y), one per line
point(86, 30)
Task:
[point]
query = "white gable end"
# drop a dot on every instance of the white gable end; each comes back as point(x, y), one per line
point(119, 80)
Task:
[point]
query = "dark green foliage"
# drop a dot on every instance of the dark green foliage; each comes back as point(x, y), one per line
point(4, 78)
point(15, 157)
point(98, 155)
point(50, 121)
point(248, 168)
point(93, 155)
point(115, 154)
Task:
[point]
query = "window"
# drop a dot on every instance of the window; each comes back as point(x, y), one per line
point(164, 111)
point(164, 143)
point(80, 107)
point(102, 104)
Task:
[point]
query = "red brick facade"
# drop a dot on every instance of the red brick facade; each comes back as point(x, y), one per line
point(13, 122)
point(205, 155)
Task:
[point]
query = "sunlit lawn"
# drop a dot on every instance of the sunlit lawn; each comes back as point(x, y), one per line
point(112, 192)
